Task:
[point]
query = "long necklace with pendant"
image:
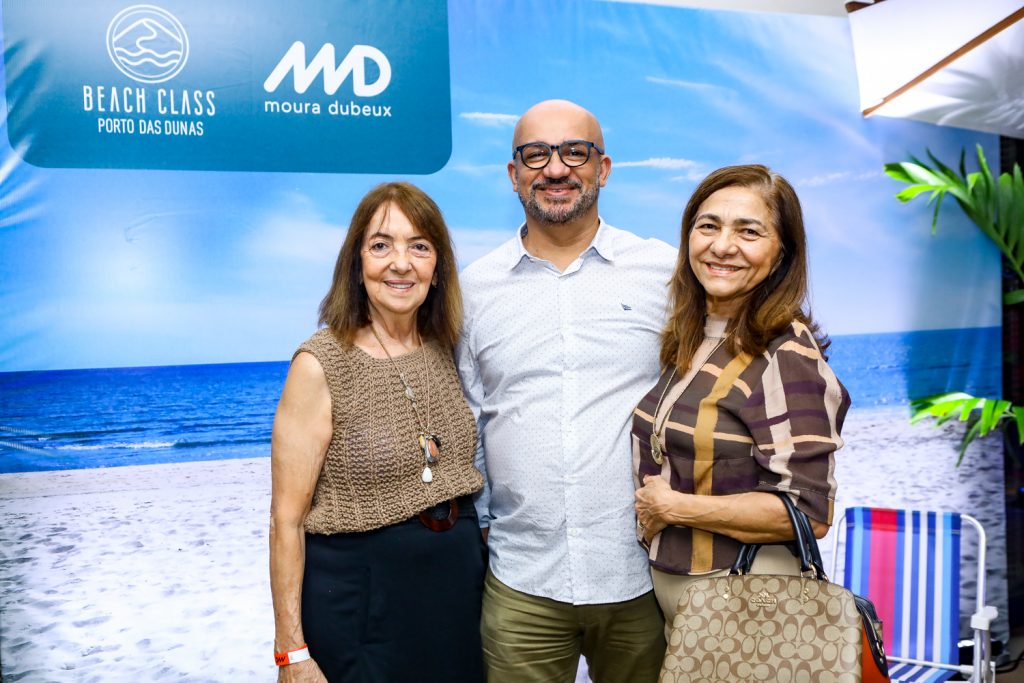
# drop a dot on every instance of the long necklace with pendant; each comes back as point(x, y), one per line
point(656, 453)
point(430, 444)
point(657, 447)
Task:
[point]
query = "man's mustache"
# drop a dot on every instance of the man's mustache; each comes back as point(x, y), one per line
point(547, 182)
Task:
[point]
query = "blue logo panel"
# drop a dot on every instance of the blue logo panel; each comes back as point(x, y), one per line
point(332, 86)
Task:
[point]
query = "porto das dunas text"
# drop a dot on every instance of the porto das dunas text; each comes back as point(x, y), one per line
point(126, 106)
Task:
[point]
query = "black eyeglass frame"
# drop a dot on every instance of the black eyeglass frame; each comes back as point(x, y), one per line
point(551, 152)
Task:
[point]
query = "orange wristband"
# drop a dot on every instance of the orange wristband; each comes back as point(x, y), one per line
point(299, 654)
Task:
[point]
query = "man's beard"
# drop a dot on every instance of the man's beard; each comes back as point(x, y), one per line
point(561, 212)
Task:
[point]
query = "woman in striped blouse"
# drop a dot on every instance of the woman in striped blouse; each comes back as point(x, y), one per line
point(747, 404)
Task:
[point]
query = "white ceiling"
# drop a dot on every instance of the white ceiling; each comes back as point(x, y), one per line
point(911, 61)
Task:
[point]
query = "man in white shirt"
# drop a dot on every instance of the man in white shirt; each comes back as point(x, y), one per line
point(561, 340)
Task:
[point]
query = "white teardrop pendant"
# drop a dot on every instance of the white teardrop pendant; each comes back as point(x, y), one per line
point(428, 476)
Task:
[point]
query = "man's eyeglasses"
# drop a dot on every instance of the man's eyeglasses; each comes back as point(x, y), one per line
point(572, 153)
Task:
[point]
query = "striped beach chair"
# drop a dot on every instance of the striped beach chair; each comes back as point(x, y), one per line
point(908, 564)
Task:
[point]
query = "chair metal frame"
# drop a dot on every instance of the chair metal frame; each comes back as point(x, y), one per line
point(982, 670)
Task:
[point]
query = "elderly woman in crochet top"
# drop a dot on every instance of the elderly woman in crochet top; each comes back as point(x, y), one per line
point(376, 559)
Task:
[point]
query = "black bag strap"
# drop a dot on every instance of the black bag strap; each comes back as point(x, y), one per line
point(807, 550)
point(812, 543)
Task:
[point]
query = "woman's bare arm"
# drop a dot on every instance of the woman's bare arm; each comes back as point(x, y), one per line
point(754, 517)
point(302, 432)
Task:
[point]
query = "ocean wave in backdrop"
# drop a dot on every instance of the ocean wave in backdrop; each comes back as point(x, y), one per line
point(71, 419)
point(891, 369)
point(129, 446)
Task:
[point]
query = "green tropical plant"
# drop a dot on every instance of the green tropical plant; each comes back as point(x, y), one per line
point(982, 415)
point(995, 205)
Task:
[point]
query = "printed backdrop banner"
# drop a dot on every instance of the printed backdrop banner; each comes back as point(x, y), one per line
point(321, 85)
point(147, 317)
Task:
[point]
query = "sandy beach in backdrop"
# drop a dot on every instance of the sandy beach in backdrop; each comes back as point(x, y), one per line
point(159, 572)
point(144, 573)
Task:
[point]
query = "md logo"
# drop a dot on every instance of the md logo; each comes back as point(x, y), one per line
point(335, 74)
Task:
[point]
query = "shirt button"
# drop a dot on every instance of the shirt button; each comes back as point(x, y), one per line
point(574, 532)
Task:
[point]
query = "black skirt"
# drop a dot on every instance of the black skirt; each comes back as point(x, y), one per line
point(396, 604)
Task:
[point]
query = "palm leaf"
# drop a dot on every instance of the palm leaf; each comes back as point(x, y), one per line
point(896, 171)
point(982, 415)
point(939, 406)
point(1018, 416)
point(991, 414)
point(914, 190)
point(996, 206)
point(969, 436)
point(967, 407)
point(945, 170)
point(1014, 192)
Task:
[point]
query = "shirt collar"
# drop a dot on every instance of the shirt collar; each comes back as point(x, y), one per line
point(715, 326)
point(601, 244)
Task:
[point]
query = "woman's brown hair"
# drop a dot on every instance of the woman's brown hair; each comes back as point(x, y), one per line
point(772, 305)
point(346, 308)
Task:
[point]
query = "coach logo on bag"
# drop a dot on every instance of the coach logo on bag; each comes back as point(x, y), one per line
point(763, 599)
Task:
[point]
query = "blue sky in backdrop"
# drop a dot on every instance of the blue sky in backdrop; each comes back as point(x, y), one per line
point(104, 268)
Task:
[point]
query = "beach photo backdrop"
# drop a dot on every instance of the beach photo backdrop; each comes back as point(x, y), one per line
point(149, 311)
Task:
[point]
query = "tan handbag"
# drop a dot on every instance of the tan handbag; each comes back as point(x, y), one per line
point(751, 627)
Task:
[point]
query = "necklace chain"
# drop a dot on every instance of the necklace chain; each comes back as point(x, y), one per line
point(409, 393)
point(657, 448)
point(429, 444)
point(656, 452)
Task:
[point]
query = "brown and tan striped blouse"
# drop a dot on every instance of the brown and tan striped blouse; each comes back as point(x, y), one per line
point(736, 424)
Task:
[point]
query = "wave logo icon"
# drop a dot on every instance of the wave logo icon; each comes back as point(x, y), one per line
point(147, 43)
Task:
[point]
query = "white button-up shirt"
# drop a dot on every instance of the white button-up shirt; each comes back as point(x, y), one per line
point(553, 364)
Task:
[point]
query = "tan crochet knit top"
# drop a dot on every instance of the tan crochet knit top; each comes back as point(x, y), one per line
point(372, 475)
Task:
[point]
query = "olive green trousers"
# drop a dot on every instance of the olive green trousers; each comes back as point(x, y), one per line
point(528, 639)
